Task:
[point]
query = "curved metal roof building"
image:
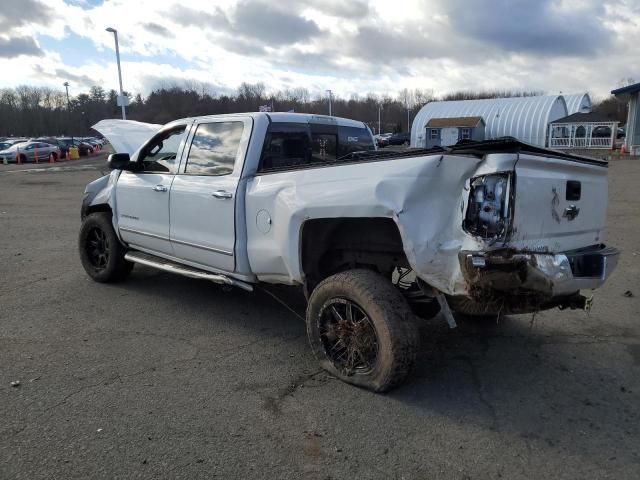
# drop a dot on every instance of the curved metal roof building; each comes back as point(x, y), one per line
point(578, 103)
point(525, 118)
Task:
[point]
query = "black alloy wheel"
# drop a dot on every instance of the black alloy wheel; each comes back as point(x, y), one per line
point(101, 252)
point(348, 336)
point(97, 247)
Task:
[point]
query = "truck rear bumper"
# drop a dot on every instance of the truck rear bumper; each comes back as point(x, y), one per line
point(549, 275)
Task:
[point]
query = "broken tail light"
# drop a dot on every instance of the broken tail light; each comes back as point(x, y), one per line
point(488, 207)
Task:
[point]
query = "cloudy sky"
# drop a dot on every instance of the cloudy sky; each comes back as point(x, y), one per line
point(349, 46)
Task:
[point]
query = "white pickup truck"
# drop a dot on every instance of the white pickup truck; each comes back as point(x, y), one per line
point(487, 228)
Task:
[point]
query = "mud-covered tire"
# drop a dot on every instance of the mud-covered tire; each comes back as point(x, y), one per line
point(96, 235)
point(388, 312)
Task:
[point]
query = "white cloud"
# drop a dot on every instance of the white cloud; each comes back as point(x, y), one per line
point(381, 46)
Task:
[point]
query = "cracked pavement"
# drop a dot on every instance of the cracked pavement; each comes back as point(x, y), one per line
point(169, 377)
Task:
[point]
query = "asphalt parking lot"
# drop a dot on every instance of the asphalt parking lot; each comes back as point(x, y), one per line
point(168, 377)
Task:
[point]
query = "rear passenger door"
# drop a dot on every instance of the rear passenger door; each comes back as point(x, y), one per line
point(203, 193)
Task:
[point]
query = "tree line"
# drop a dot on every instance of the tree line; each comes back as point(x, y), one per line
point(33, 111)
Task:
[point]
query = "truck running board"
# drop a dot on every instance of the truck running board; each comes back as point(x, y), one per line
point(184, 270)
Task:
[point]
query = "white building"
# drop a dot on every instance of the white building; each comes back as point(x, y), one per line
point(525, 118)
point(632, 94)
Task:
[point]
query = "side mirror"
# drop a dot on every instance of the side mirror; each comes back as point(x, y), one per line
point(118, 161)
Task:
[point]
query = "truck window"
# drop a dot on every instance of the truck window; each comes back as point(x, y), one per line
point(296, 145)
point(324, 147)
point(354, 139)
point(214, 148)
point(287, 145)
point(160, 154)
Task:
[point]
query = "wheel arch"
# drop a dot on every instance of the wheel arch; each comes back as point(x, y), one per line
point(101, 207)
point(331, 245)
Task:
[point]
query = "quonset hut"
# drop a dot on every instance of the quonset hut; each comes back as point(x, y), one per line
point(578, 103)
point(525, 118)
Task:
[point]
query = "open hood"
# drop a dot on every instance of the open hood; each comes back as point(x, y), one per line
point(126, 136)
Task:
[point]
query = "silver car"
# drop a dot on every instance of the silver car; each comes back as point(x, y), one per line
point(30, 152)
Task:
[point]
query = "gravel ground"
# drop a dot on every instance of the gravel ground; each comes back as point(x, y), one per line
point(167, 377)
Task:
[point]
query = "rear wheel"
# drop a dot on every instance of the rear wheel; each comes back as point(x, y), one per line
point(362, 330)
point(101, 252)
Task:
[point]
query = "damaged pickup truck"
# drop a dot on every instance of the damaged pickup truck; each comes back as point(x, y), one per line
point(489, 228)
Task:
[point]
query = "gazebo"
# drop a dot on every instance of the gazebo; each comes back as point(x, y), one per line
point(583, 131)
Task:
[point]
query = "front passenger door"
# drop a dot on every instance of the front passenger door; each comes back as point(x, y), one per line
point(142, 197)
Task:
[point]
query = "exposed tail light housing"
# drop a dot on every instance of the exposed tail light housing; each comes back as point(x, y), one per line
point(488, 210)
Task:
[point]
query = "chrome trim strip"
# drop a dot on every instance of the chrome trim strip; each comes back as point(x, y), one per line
point(145, 234)
point(188, 244)
point(132, 257)
point(202, 247)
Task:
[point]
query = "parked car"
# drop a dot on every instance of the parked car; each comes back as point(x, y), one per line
point(83, 148)
point(15, 141)
point(381, 141)
point(487, 228)
point(399, 139)
point(92, 141)
point(64, 148)
point(30, 152)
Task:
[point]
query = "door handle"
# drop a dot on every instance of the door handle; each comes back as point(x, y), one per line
point(160, 188)
point(222, 194)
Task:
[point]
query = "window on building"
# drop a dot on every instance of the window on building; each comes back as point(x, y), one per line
point(214, 148)
point(434, 134)
point(465, 133)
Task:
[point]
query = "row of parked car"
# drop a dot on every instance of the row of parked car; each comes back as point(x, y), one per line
point(46, 148)
point(386, 139)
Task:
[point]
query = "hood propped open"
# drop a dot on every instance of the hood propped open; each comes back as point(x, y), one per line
point(126, 136)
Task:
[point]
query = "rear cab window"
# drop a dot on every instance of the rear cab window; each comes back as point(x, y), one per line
point(299, 145)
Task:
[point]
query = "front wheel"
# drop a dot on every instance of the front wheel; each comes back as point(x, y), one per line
point(101, 253)
point(362, 330)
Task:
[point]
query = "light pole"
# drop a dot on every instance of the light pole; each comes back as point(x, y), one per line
point(379, 114)
point(330, 93)
point(408, 125)
point(122, 102)
point(66, 86)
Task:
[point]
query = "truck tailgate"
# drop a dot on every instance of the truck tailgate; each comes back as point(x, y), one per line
point(560, 203)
